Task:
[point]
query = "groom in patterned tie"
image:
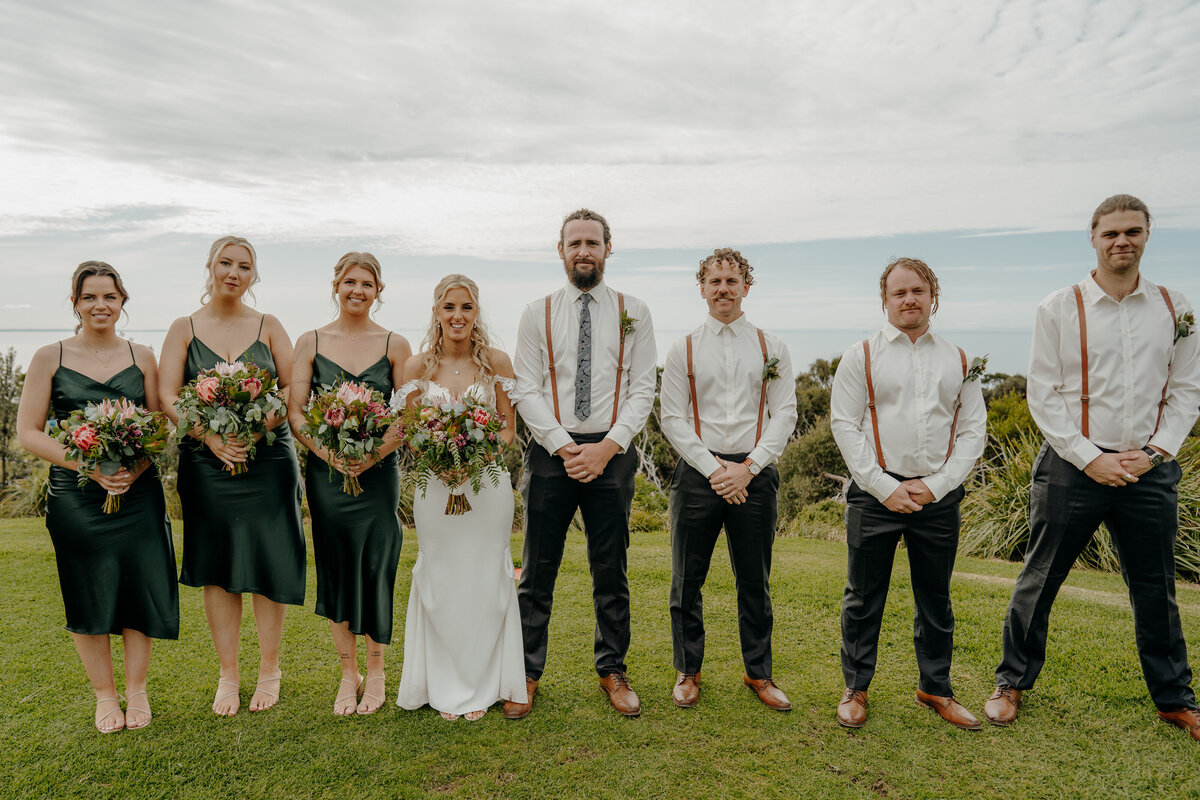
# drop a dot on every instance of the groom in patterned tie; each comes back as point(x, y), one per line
point(585, 364)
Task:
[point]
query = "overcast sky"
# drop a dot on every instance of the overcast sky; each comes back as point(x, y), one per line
point(819, 138)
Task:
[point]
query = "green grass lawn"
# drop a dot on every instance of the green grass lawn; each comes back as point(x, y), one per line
point(1088, 730)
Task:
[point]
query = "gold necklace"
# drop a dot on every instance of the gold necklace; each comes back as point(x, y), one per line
point(111, 352)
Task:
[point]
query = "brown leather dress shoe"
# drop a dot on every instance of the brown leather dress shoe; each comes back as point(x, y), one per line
point(770, 694)
point(621, 694)
point(950, 710)
point(1186, 718)
point(1001, 708)
point(687, 689)
point(852, 710)
point(521, 710)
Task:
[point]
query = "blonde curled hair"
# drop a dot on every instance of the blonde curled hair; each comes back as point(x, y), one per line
point(432, 349)
point(214, 253)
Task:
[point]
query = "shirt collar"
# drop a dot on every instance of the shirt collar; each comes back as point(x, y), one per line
point(596, 291)
point(1094, 293)
point(715, 326)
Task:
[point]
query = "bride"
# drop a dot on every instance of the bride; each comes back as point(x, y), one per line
point(462, 635)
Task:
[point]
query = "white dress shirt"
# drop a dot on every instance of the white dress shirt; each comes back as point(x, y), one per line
point(917, 386)
point(1131, 356)
point(728, 366)
point(532, 365)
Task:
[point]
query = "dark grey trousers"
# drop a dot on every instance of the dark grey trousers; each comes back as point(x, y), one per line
point(872, 534)
point(551, 499)
point(697, 516)
point(1065, 509)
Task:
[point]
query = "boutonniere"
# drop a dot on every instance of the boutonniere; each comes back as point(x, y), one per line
point(627, 325)
point(1185, 326)
point(975, 372)
point(770, 370)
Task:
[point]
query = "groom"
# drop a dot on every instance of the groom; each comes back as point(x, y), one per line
point(585, 364)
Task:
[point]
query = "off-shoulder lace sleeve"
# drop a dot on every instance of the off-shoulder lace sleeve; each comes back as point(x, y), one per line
point(404, 391)
point(509, 385)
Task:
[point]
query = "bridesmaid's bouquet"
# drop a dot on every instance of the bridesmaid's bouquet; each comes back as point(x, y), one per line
point(233, 400)
point(459, 439)
point(349, 420)
point(112, 434)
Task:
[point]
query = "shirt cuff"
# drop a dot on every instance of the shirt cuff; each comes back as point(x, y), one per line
point(621, 435)
point(1083, 454)
point(1166, 441)
point(882, 488)
point(760, 456)
point(938, 485)
point(708, 466)
point(558, 439)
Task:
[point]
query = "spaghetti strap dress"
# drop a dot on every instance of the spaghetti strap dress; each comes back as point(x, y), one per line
point(116, 570)
point(356, 540)
point(242, 532)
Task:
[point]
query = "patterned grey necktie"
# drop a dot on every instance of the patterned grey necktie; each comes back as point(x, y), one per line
point(583, 373)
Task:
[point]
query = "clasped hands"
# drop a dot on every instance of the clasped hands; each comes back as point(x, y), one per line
point(910, 496)
point(730, 481)
point(120, 481)
point(1119, 469)
point(586, 462)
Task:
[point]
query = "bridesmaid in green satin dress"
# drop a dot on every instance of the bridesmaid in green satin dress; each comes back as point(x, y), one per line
point(116, 571)
point(241, 533)
point(356, 540)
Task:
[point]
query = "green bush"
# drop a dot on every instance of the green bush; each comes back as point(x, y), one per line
point(825, 520)
point(1008, 418)
point(803, 467)
point(996, 510)
point(26, 497)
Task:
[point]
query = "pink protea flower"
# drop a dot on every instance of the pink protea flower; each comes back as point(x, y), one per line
point(227, 370)
point(84, 437)
point(128, 409)
point(378, 409)
point(350, 392)
point(207, 388)
point(251, 385)
point(428, 412)
point(335, 416)
point(481, 417)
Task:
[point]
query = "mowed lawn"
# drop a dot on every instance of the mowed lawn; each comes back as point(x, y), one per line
point(1088, 730)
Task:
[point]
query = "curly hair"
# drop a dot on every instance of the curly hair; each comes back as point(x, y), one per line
point(585, 214)
point(923, 272)
point(99, 269)
point(432, 349)
point(734, 257)
point(1119, 202)
point(214, 253)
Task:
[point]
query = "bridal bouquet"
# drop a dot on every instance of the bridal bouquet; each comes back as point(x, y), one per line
point(233, 400)
point(349, 420)
point(112, 434)
point(457, 440)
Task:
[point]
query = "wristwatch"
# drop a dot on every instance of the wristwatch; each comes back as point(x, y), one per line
point(755, 468)
point(1156, 457)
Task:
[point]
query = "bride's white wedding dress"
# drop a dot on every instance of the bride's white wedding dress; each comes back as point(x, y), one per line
point(462, 634)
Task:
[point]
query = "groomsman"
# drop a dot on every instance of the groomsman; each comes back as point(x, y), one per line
point(1114, 385)
point(585, 364)
point(909, 418)
point(728, 407)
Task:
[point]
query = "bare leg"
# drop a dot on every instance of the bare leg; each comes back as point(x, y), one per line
point(137, 666)
point(224, 612)
point(375, 688)
point(268, 616)
point(96, 654)
point(347, 649)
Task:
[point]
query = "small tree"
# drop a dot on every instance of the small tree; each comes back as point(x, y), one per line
point(12, 378)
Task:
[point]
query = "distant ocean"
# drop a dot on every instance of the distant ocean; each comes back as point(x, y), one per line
point(1008, 351)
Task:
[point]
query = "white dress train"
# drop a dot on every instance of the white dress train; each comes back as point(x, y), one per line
point(462, 633)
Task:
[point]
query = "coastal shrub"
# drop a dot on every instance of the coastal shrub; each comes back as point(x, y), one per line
point(804, 467)
point(996, 510)
point(26, 496)
point(824, 520)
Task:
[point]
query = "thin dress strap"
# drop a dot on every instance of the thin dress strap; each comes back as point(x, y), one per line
point(131, 355)
point(387, 343)
point(316, 344)
point(261, 320)
point(193, 326)
point(60, 353)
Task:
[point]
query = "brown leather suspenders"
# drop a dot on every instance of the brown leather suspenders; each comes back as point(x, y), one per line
point(620, 358)
point(1084, 399)
point(962, 355)
point(762, 396)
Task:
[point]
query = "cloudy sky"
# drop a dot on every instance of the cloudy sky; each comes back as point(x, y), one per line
point(819, 138)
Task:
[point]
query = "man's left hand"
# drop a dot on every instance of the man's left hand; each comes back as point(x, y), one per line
point(1136, 462)
point(589, 463)
point(919, 492)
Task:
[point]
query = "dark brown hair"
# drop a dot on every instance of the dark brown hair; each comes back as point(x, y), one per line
point(99, 269)
point(585, 214)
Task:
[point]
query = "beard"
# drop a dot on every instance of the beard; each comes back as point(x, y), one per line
point(583, 278)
